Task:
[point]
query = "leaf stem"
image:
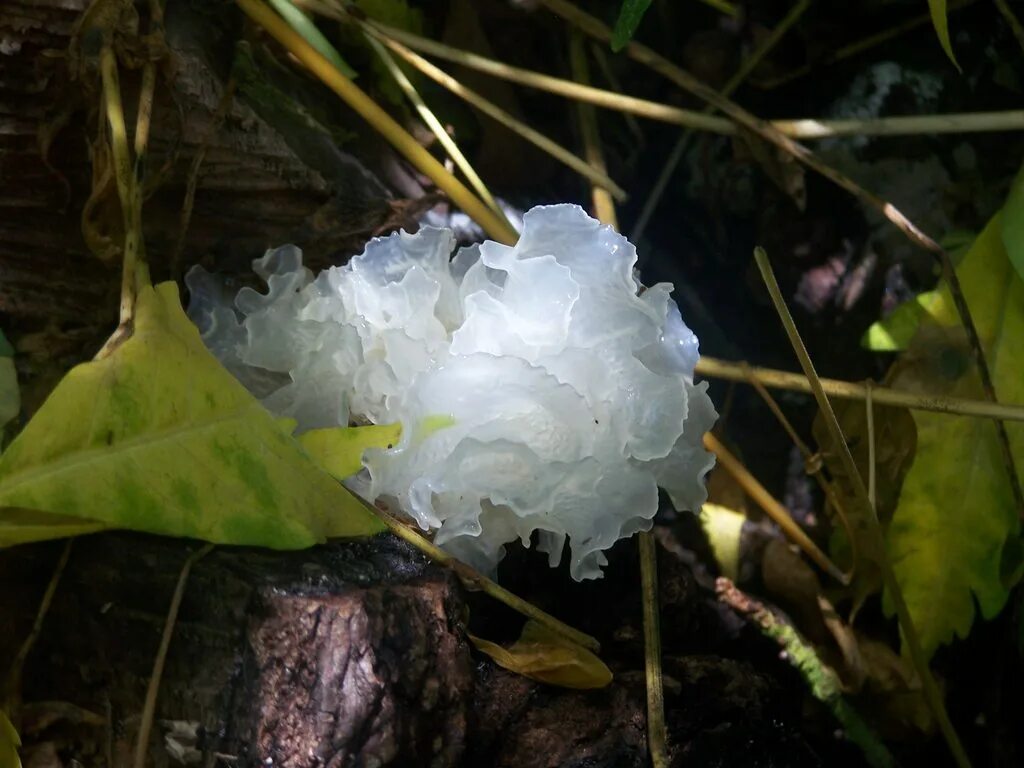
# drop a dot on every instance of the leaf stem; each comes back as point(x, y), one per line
point(430, 119)
point(657, 736)
point(847, 390)
point(772, 507)
point(931, 690)
point(153, 689)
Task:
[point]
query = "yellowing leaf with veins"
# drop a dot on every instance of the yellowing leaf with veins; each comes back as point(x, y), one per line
point(159, 437)
point(955, 518)
point(9, 743)
point(547, 657)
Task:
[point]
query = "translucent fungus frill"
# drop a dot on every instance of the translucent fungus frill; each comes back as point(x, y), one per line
point(567, 386)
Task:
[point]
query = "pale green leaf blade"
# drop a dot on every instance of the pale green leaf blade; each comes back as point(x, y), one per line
point(10, 395)
point(339, 450)
point(305, 26)
point(894, 333)
point(9, 743)
point(940, 21)
point(158, 437)
point(548, 657)
point(724, 529)
point(630, 15)
point(1013, 225)
point(956, 512)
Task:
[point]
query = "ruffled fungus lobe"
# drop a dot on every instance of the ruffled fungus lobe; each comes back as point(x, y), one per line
point(565, 386)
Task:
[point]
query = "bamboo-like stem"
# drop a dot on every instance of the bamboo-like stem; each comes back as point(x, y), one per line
point(869, 408)
point(431, 121)
point(913, 643)
point(802, 154)
point(603, 205)
point(127, 191)
point(476, 580)
point(438, 75)
point(797, 128)
point(772, 507)
point(734, 82)
point(657, 734)
point(386, 125)
point(604, 211)
point(153, 689)
point(812, 466)
point(1011, 19)
point(847, 390)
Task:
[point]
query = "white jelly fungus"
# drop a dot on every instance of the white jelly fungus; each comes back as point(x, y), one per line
point(565, 387)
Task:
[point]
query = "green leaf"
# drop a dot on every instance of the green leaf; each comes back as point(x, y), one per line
point(941, 23)
point(158, 437)
point(893, 333)
point(339, 450)
point(1013, 224)
point(955, 518)
point(724, 529)
point(9, 743)
point(543, 655)
point(630, 14)
point(302, 24)
point(10, 395)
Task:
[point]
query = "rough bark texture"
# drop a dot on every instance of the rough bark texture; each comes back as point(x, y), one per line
point(272, 170)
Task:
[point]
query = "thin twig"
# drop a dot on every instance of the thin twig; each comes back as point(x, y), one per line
point(473, 579)
point(746, 67)
point(149, 706)
point(891, 32)
point(847, 390)
point(13, 681)
point(1011, 19)
point(821, 679)
point(604, 206)
point(124, 175)
point(869, 408)
point(438, 75)
point(431, 121)
point(797, 128)
point(772, 507)
point(909, 630)
point(386, 125)
point(688, 82)
point(657, 737)
point(813, 467)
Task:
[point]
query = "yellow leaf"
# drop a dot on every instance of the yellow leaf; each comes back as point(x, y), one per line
point(158, 437)
point(339, 450)
point(940, 21)
point(724, 528)
point(9, 743)
point(955, 518)
point(547, 657)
